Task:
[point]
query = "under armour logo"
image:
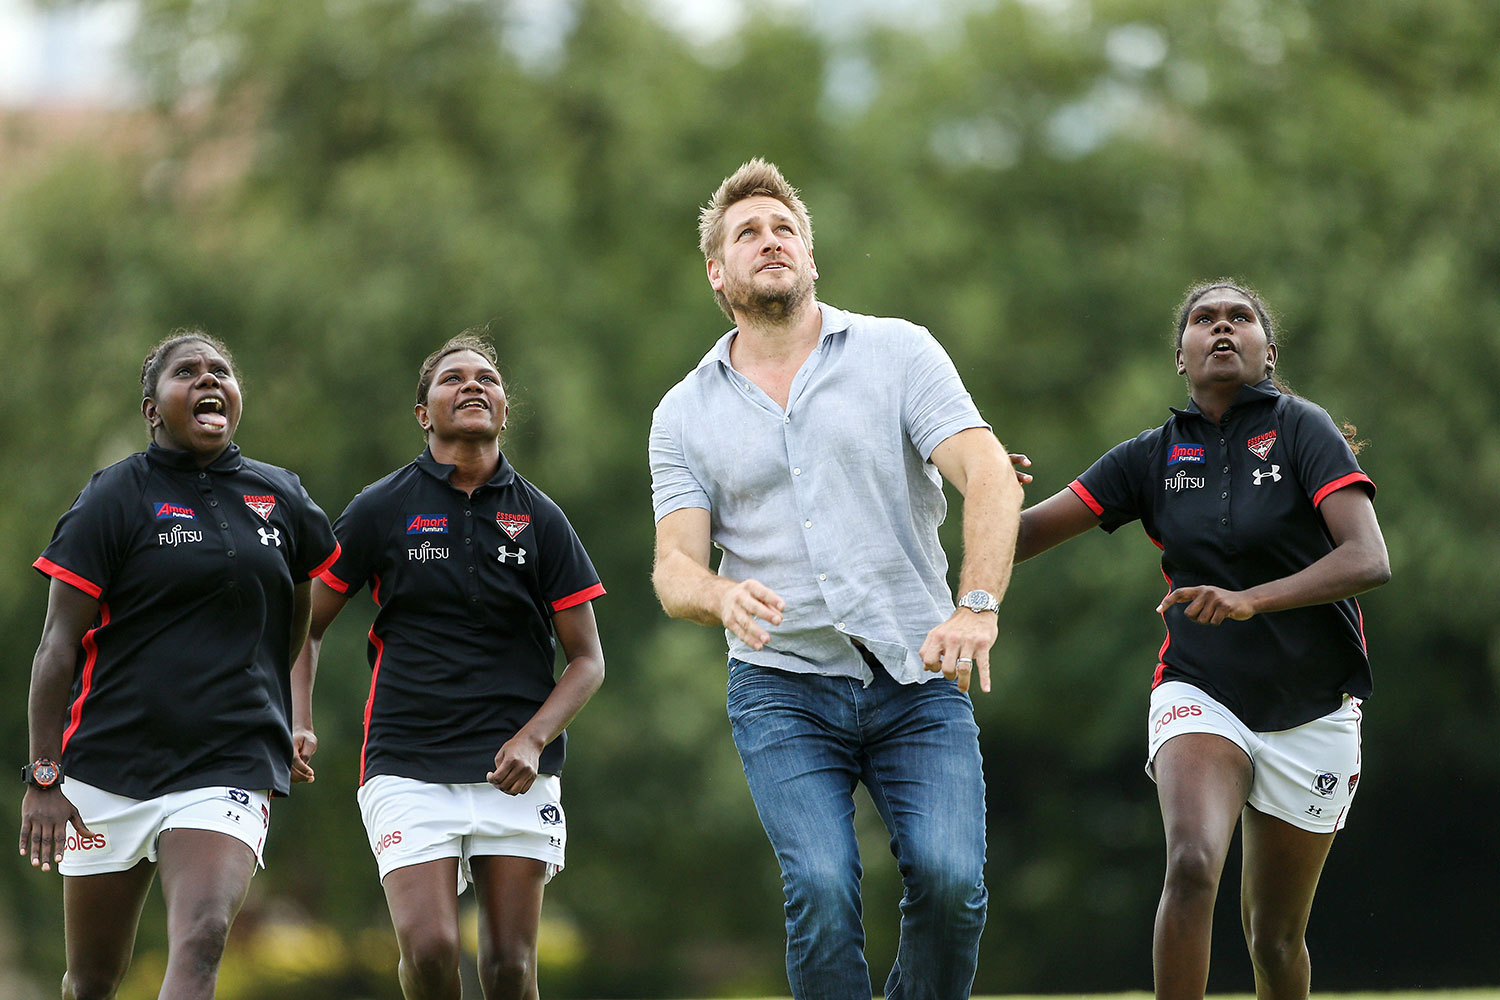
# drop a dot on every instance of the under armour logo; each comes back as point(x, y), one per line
point(1274, 475)
point(272, 537)
point(519, 555)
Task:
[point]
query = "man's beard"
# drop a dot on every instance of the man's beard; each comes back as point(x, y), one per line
point(769, 307)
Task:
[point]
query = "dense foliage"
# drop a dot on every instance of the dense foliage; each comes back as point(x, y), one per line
point(336, 186)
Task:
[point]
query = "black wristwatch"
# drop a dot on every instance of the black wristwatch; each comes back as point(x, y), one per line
point(42, 773)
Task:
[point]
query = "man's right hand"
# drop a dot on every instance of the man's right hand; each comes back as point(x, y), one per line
point(743, 604)
point(45, 815)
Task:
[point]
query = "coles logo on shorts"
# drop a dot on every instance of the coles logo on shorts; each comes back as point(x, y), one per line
point(426, 524)
point(167, 511)
point(387, 840)
point(1186, 453)
point(512, 524)
point(1174, 713)
point(1325, 783)
point(93, 843)
point(550, 814)
point(262, 505)
point(1260, 446)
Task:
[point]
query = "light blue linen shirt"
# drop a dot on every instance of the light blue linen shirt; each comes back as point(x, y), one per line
point(833, 502)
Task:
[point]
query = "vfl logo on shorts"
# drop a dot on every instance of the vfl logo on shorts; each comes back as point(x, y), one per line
point(550, 814)
point(238, 795)
point(1325, 783)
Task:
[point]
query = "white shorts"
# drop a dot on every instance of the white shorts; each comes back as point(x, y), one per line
point(126, 830)
point(410, 822)
point(1306, 776)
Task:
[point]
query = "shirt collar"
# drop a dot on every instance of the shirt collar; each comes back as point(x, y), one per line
point(229, 459)
point(1259, 393)
point(504, 473)
point(834, 321)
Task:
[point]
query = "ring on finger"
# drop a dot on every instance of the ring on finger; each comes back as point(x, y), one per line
point(964, 659)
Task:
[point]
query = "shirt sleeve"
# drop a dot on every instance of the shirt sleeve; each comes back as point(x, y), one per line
point(673, 485)
point(315, 547)
point(1110, 486)
point(357, 532)
point(566, 574)
point(935, 404)
point(91, 539)
point(1321, 458)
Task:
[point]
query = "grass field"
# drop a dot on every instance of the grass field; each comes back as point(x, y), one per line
point(1472, 994)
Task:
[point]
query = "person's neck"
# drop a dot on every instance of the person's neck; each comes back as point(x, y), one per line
point(474, 462)
point(1215, 398)
point(765, 341)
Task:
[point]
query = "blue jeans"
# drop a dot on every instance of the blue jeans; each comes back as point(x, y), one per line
point(804, 741)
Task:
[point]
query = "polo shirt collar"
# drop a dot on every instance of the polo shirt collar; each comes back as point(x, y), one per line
point(834, 321)
point(504, 475)
point(229, 459)
point(1259, 393)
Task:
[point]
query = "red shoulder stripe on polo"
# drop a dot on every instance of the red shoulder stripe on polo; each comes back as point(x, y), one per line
point(67, 576)
point(333, 558)
point(1340, 483)
point(91, 648)
point(573, 600)
point(1087, 497)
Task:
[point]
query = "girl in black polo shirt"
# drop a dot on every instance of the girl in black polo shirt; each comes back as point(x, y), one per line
point(1267, 532)
point(179, 593)
point(473, 570)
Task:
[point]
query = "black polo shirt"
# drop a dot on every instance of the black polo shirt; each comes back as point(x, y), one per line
point(461, 652)
point(1234, 505)
point(184, 680)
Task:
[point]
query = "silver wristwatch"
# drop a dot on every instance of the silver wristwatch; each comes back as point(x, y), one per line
point(980, 600)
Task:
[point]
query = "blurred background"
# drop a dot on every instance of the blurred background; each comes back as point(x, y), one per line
point(335, 186)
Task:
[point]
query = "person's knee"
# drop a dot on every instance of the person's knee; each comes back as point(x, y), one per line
point(508, 972)
point(1192, 868)
point(91, 984)
point(199, 947)
point(948, 878)
point(428, 952)
point(1274, 949)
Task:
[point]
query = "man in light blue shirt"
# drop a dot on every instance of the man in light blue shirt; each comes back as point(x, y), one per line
point(810, 446)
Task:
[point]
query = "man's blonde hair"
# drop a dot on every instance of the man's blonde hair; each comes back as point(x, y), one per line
point(754, 178)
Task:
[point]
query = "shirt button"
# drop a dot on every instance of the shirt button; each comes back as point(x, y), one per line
point(1223, 496)
point(796, 472)
point(786, 419)
point(470, 513)
point(822, 576)
point(223, 524)
point(231, 553)
point(1221, 440)
point(1226, 468)
point(202, 475)
point(468, 541)
point(213, 503)
point(471, 569)
point(1223, 520)
point(473, 600)
point(840, 626)
point(807, 524)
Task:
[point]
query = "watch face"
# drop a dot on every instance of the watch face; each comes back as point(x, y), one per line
point(44, 774)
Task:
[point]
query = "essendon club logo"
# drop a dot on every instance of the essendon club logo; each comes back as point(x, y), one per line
point(512, 524)
point(1260, 446)
point(262, 505)
point(168, 511)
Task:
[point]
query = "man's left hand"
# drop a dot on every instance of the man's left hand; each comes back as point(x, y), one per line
point(1209, 605)
point(961, 644)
